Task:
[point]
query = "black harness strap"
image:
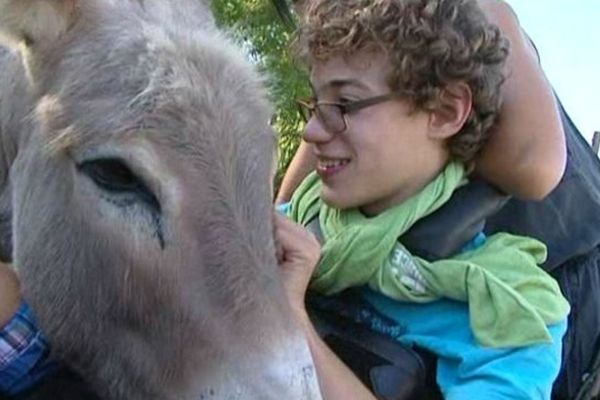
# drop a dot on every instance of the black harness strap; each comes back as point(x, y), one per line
point(445, 232)
point(389, 369)
point(590, 389)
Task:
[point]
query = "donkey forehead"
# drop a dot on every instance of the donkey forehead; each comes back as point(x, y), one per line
point(186, 82)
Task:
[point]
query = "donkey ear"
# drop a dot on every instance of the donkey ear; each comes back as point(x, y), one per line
point(35, 21)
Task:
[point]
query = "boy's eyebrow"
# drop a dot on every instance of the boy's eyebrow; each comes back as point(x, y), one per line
point(338, 83)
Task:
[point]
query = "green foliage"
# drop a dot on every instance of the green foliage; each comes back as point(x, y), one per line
point(258, 28)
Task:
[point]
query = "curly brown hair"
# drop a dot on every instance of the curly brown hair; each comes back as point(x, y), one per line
point(430, 43)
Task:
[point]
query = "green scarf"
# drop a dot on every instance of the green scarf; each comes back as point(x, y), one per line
point(511, 300)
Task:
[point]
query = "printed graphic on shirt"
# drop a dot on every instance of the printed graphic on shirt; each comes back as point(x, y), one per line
point(406, 270)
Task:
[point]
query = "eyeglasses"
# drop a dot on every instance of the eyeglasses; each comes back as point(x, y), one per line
point(332, 115)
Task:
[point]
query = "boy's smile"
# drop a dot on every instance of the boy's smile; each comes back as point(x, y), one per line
point(327, 167)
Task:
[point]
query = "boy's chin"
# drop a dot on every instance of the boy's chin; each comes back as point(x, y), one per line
point(329, 197)
point(334, 200)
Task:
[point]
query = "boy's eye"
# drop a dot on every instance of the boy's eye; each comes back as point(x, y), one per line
point(347, 99)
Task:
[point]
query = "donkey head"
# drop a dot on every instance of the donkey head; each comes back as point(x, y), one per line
point(142, 202)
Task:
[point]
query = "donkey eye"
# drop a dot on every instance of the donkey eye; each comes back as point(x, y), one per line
point(114, 176)
point(111, 174)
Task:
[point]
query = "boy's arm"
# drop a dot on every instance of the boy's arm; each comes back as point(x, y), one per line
point(298, 253)
point(526, 153)
point(302, 164)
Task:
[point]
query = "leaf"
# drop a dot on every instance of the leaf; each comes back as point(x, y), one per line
point(257, 26)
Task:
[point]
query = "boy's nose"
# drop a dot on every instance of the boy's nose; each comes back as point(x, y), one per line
point(315, 132)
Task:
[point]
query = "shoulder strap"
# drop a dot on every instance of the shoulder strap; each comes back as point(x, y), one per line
point(447, 231)
point(390, 369)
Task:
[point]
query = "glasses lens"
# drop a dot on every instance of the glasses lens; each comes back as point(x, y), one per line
point(332, 118)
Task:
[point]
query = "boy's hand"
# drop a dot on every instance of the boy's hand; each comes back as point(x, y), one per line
point(298, 253)
point(10, 294)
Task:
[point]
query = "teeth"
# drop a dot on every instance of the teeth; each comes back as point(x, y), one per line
point(332, 163)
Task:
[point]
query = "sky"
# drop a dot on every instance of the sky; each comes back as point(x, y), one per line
point(567, 35)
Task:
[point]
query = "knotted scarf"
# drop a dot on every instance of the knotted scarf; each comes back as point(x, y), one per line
point(511, 300)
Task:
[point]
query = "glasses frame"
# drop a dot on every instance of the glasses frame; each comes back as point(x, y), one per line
point(312, 106)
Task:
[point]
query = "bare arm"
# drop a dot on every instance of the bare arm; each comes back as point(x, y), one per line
point(526, 153)
point(298, 254)
point(302, 164)
point(336, 380)
point(10, 295)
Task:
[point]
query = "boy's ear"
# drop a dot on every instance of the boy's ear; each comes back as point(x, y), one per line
point(35, 21)
point(454, 107)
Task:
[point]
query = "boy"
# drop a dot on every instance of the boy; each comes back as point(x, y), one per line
point(405, 91)
point(525, 157)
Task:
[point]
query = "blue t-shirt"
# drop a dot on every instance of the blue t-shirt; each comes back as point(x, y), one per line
point(465, 369)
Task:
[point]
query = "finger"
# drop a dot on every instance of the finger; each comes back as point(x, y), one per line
point(290, 228)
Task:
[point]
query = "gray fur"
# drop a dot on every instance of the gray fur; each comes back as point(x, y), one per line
point(177, 301)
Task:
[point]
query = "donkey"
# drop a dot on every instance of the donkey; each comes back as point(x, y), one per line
point(136, 160)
